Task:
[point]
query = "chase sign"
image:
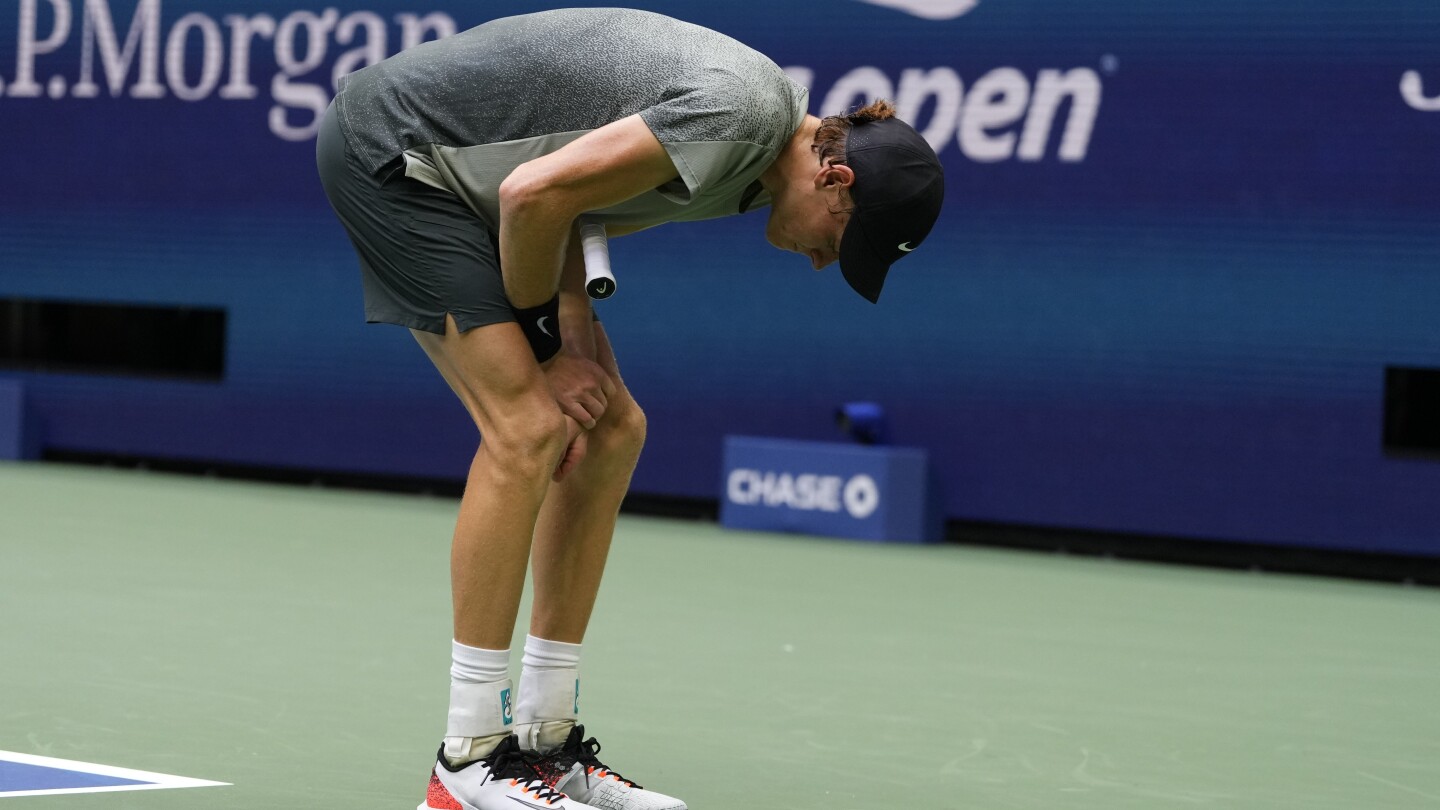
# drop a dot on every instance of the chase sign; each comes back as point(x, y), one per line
point(843, 490)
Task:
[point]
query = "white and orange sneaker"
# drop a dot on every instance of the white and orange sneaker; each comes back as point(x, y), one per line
point(507, 779)
point(576, 769)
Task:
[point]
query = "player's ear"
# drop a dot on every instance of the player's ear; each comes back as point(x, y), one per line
point(834, 175)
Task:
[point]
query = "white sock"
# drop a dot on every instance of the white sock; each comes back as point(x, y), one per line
point(549, 704)
point(476, 665)
point(480, 702)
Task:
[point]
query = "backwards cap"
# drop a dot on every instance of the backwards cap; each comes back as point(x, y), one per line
point(898, 190)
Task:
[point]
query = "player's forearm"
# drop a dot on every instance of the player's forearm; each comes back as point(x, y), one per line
point(534, 228)
point(577, 330)
point(540, 200)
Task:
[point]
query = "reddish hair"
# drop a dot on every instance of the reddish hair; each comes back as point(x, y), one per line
point(834, 131)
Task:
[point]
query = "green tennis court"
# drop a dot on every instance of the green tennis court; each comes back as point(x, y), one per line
point(294, 642)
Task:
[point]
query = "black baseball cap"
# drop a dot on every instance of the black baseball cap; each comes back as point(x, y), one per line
point(899, 187)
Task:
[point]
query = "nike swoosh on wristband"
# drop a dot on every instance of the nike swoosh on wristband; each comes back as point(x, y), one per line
point(540, 324)
point(905, 246)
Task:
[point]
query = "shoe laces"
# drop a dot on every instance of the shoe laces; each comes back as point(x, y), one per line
point(520, 768)
point(587, 754)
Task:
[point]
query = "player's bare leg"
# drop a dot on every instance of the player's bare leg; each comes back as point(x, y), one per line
point(577, 519)
point(492, 371)
point(572, 540)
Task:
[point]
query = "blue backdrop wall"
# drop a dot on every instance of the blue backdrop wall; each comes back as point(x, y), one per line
point(1182, 242)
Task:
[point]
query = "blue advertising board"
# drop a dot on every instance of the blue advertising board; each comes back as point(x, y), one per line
point(1182, 243)
point(830, 488)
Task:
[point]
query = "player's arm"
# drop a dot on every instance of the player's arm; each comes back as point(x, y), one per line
point(541, 199)
point(580, 386)
point(577, 321)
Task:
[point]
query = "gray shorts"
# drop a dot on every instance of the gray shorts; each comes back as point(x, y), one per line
point(423, 253)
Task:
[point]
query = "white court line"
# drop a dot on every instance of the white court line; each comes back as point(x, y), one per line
point(154, 781)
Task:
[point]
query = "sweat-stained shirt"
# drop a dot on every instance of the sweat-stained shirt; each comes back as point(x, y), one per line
point(465, 111)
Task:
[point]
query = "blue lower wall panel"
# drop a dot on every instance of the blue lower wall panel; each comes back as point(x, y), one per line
point(19, 433)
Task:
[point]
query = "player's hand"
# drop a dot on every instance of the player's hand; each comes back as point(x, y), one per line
point(574, 449)
point(580, 386)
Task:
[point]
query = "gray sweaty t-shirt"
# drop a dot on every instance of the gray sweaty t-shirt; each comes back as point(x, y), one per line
point(466, 110)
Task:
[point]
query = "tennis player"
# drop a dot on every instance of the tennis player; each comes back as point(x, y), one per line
point(459, 169)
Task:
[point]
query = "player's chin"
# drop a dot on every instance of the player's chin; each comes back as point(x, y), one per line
point(819, 261)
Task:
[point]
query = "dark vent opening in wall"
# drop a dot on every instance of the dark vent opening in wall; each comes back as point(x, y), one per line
point(123, 339)
point(1412, 411)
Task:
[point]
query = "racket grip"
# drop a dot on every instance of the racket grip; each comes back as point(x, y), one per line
point(599, 281)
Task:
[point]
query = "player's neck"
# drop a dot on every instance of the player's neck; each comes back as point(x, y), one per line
point(796, 162)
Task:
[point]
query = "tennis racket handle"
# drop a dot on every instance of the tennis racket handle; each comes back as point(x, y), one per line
point(599, 281)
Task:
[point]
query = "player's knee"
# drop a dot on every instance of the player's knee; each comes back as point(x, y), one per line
point(529, 445)
point(632, 426)
point(622, 433)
